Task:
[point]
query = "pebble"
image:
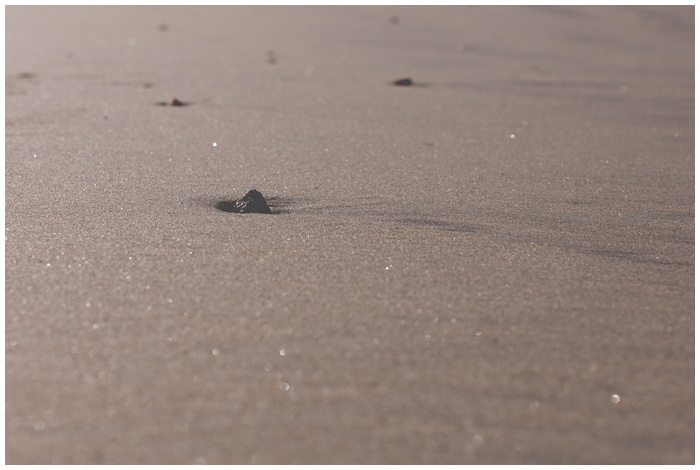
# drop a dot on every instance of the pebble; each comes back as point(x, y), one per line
point(252, 202)
point(403, 82)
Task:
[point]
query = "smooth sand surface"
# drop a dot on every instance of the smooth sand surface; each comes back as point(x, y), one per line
point(495, 265)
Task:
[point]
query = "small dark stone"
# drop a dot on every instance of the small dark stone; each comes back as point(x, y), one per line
point(271, 57)
point(172, 102)
point(404, 82)
point(26, 75)
point(252, 202)
point(394, 20)
point(163, 27)
point(175, 102)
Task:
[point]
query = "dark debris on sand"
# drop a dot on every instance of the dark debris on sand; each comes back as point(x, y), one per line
point(403, 82)
point(172, 102)
point(252, 202)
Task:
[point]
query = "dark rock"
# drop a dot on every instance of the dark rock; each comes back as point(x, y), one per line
point(252, 202)
point(404, 82)
point(172, 102)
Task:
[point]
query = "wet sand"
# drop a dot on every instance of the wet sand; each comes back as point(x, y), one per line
point(494, 265)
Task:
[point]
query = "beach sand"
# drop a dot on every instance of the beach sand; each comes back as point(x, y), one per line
point(494, 265)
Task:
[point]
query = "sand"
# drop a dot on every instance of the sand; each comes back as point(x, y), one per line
point(494, 265)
